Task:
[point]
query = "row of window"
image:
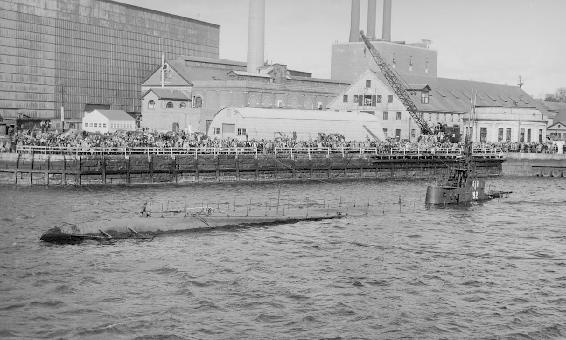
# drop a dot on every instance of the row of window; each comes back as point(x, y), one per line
point(504, 134)
point(398, 115)
point(197, 101)
point(367, 99)
point(112, 125)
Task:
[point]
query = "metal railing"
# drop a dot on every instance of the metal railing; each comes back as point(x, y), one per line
point(286, 151)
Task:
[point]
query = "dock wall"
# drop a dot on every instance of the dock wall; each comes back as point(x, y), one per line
point(38, 169)
point(534, 164)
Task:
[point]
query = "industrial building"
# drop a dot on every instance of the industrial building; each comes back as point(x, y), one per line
point(60, 58)
point(501, 113)
point(301, 125)
point(350, 59)
point(211, 84)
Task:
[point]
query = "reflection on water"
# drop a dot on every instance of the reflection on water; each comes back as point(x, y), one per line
point(487, 270)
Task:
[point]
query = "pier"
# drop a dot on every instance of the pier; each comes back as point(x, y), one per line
point(49, 166)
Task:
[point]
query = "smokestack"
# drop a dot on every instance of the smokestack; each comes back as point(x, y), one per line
point(355, 21)
point(256, 29)
point(386, 30)
point(372, 13)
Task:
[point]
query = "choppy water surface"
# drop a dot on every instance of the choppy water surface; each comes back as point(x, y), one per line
point(496, 269)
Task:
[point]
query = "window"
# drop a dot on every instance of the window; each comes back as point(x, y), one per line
point(413, 133)
point(529, 135)
point(368, 84)
point(356, 98)
point(500, 135)
point(378, 98)
point(95, 125)
point(390, 98)
point(424, 97)
point(169, 105)
point(242, 132)
point(217, 131)
point(508, 135)
point(385, 132)
point(522, 138)
point(385, 114)
point(182, 105)
point(540, 135)
point(104, 125)
point(398, 134)
point(367, 100)
point(345, 98)
point(483, 135)
point(197, 101)
point(398, 116)
point(151, 104)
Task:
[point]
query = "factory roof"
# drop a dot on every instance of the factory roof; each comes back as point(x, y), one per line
point(115, 114)
point(455, 95)
point(167, 94)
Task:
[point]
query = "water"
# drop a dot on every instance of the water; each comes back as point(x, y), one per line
point(496, 269)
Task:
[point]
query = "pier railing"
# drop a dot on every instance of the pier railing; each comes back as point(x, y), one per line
point(303, 152)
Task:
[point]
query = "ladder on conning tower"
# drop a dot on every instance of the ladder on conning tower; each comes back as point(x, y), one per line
point(398, 85)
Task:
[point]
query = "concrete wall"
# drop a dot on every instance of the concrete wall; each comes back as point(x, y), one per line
point(350, 60)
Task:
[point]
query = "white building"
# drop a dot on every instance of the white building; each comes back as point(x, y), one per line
point(104, 121)
point(166, 109)
point(303, 125)
point(502, 112)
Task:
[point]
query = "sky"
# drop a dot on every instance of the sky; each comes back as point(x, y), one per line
point(485, 40)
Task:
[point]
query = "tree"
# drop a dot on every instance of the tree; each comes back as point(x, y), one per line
point(558, 96)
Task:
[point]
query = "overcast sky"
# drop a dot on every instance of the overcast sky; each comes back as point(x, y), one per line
point(484, 40)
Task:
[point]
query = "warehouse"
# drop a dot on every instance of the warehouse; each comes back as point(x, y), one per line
point(302, 125)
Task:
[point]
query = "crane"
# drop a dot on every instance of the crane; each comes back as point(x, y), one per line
point(400, 88)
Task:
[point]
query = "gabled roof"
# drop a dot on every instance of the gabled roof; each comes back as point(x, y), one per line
point(115, 114)
point(167, 94)
point(455, 95)
point(563, 125)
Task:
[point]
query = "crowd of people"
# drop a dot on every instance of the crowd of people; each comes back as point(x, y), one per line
point(84, 141)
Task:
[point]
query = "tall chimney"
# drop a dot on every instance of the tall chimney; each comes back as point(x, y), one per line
point(372, 13)
point(386, 30)
point(256, 29)
point(355, 21)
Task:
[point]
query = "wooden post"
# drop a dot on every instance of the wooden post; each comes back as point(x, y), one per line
point(128, 167)
point(64, 173)
point(237, 160)
point(218, 168)
point(31, 169)
point(256, 169)
point(103, 169)
point(80, 172)
point(150, 165)
point(174, 165)
point(48, 168)
point(197, 174)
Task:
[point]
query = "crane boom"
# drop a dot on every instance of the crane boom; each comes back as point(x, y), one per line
point(398, 85)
